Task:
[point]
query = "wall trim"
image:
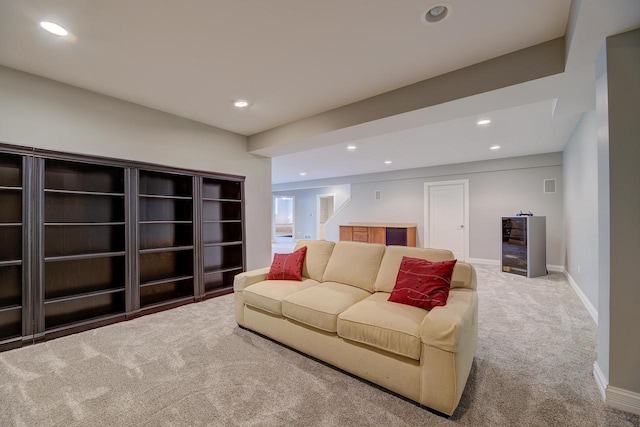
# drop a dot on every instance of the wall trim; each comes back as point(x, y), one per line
point(550, 267)
point(483, 261)
point(601, 381)
point(615, 397)
point(585, 301)
point(624, 400)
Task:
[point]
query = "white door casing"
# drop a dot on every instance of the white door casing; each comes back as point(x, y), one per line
point(446, 216)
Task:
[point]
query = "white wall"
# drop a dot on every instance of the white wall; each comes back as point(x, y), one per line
point(580, 176)
point(496, 188)
point(42, 113)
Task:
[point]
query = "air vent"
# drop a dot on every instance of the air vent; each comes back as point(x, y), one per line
point(549, 185)
point(378, 195)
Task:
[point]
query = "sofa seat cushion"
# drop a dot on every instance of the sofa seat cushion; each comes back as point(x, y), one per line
point(319, 306)
point(268, 295)
point(383, 324)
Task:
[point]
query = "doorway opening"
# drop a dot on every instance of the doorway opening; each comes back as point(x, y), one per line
point(326, 203)
point(283, 218)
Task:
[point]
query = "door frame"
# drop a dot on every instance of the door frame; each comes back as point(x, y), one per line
point(427, 231)
point(318, 197)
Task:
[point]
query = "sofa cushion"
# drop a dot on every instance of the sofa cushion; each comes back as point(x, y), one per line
point(268, 295)
point(318, 253)
point(464, 276)
point(390, 264)
point(423, 283)
point(355, 264)
point(287, 266)
point(382, 324)
point(319, 306)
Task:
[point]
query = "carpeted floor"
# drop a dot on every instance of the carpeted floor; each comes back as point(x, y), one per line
point(192, 366)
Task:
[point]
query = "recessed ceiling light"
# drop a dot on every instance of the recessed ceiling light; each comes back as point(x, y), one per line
point(483, 122)
point(351, 147)
point(387, 162)
point(437, 13)
point(54, 28)
point(241, 103)
point(494, 147)
point(303, 173)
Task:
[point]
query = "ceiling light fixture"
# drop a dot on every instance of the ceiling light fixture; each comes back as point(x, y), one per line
point(303, 173)
point(387, 162)
point(437, 13)
point(483, 122)
point(494, 147)
point(351, 147)
point(54, 28)
point(241, 103)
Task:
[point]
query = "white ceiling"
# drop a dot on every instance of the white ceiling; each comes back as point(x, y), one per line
point(292, 59)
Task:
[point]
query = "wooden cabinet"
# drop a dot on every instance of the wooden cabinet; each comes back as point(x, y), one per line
point(383, 233)
point(89, 241)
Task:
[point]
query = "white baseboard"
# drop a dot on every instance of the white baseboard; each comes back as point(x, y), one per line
point(483, 261)
point(615, 397)
point(623, 399)
point(601, 381)
point(585, 301)
point(550, 267)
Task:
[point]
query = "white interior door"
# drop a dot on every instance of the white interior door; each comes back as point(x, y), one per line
point(447, 216)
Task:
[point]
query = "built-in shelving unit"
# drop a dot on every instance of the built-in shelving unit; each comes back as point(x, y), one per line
point(11, 249)
point(165, 237)
point(87, 241)
point(222, 234)
point(84, 242)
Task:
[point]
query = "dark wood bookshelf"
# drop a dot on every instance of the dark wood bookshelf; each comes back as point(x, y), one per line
point(165, 237)
point(77, 197)
point(222, 234)
point(11, 248)
point(89, 241)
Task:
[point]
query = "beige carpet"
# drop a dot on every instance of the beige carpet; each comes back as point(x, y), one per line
point(193, 366)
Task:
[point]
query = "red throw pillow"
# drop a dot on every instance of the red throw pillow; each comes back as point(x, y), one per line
point(423, 283)
point(287, 266)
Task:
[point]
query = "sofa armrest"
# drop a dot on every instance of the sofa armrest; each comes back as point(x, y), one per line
point(452, 326)
point(248, 278)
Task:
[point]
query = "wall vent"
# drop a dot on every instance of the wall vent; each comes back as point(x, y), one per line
point(549, 186)
point(378, 195)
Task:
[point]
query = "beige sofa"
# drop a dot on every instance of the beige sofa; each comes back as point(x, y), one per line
point(339, 313)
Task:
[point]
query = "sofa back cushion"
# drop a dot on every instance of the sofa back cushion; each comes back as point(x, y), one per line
point(390, 265)
point(464, 276)
point(318, 254)
point(355, 264)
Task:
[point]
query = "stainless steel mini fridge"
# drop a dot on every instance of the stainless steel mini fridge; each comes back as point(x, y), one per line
point(524, 245)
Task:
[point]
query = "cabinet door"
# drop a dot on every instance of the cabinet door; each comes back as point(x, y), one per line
point(346, 233)
point(377, 235)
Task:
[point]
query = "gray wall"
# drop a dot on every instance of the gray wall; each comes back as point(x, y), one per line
point(580, 177)
point(496, 188)
point(621, 106)
point(46, 114)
